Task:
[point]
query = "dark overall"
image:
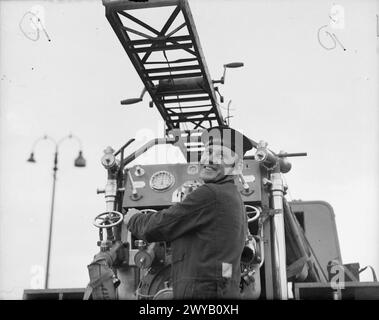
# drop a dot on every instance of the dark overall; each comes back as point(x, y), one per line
point(207, 232)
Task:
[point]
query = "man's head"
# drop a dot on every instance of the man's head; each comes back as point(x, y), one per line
point(223, 153)
point(217, 162)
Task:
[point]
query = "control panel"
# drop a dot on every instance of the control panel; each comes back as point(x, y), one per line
point(151, 186)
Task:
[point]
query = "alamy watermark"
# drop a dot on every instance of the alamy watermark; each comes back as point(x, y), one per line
point(33, 22)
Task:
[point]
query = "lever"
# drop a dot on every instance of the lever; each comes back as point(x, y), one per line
point(134, 189)
point(135, 196)
point(134, 100)
point(228, 65)
point(244, 183)
point(221, 97)
point(246, 188)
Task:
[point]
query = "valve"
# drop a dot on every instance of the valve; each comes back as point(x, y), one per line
point(246, 188)
point(108, 219)
point(249, 253)
point(248, 276)
point(252, 213)
point(145, 256)
point(109, 160)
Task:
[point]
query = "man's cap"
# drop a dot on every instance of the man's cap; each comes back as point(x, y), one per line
point(227, 137)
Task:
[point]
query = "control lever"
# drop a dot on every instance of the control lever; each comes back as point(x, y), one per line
point(135, 196)
point(134, 100)
point(221, 97)
point(246, 188)
point(228, 65)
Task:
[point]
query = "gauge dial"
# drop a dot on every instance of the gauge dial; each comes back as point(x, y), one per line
point(161, 180)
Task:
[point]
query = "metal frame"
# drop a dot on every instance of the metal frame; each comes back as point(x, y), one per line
point(50, 294)
point(193, 63)
point(360, 290)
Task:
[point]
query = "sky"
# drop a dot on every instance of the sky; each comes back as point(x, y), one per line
point(291, 92)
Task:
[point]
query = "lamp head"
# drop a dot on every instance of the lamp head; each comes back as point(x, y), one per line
point(31, 158)
point(80, 161)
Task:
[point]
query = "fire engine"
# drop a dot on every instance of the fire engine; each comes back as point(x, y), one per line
point(292, 249)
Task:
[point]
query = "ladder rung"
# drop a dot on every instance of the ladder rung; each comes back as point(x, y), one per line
point(175, 76)
point(186, 99)
point(190, 107)
point(193, 113)
point(163, 48)
point(180, 92)
point(159, 40)
point(196, 119)
point(172, 62)
point(173, 69)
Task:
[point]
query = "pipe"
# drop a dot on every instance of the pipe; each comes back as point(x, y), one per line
point(278, 238)
point(146, 147)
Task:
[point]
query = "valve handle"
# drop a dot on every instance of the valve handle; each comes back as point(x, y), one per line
point(108, 219)
point(254, 210)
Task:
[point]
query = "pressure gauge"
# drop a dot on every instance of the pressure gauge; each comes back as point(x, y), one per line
point(161, 180)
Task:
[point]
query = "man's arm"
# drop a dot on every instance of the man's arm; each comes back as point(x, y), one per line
point(171, 223)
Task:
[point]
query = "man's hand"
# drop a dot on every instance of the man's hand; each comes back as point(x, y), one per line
point(131, 212)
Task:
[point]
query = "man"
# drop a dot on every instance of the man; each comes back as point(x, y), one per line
point(207, 230)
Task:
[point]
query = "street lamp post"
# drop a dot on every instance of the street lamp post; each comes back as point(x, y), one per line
point(79, 162)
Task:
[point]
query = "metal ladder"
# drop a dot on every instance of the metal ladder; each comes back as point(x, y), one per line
point(181, 87)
